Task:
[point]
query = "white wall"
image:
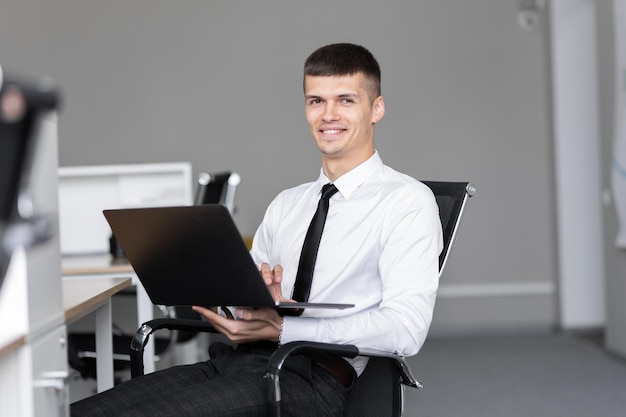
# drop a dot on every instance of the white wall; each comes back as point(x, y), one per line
point(615, 259)
point(219, 84)
point(577, 167)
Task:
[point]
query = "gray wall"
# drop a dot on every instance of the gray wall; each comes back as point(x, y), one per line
point(218, 83)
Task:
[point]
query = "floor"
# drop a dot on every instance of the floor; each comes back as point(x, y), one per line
point(542, 375)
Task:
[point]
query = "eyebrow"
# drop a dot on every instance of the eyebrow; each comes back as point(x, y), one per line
point(340, 96)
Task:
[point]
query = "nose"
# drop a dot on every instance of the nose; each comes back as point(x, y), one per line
point(330, 112)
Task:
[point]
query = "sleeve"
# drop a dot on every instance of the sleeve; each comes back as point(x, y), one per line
point(264, 235)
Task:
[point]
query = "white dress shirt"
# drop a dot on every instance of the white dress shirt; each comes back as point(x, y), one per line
point(379, 251)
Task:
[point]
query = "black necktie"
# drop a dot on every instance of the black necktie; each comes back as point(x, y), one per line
point(304, 277)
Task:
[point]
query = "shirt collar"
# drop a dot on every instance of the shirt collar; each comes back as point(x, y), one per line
point(351, 180)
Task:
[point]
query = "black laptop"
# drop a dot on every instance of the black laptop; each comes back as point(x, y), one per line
point(193, 255)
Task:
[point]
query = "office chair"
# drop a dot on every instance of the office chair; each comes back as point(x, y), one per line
point(378, 392)
point(211, 188)
point(217, 188)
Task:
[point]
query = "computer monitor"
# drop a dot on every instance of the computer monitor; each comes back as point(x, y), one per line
point(85, 191)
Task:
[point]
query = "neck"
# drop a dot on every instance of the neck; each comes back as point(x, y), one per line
point(335, 168)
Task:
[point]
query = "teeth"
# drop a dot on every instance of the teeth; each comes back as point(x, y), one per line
point(332, 131)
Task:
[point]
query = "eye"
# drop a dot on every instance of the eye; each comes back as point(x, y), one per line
point(347, 100)
point(314, 101)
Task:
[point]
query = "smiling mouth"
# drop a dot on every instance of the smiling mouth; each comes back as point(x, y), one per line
point(331, 131)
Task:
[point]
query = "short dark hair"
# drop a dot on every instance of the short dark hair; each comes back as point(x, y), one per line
point(345, 59)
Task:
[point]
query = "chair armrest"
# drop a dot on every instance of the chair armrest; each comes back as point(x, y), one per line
point(142, 336)
point(279, 356)
point(406, 376)
point(276, 361)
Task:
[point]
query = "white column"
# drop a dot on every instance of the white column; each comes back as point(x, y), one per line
point(577, 162)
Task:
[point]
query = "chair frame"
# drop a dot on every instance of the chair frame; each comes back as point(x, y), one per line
point(460, 192)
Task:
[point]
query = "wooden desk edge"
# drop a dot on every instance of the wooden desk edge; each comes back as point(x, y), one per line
point(94, 264)
point(12, 345)
point(90, 270)
point(91, 303)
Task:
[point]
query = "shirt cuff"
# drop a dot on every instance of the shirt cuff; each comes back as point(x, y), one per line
point(299, 328)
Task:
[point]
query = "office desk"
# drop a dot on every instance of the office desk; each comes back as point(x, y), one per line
point(83, 296)
point(102, 265)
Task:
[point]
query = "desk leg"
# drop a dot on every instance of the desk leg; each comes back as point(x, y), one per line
point(104, 346)
point(145, 312)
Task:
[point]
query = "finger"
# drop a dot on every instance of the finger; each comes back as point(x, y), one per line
point(278, 274)
point(202, 310)
point(235, 330)
point(208, 314)
point(276, 291)
point(245, 314)
point(258, 314)
point(266, 273)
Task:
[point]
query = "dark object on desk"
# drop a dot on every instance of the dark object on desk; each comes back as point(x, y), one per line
point(22, 103)
point(378, 391)
point(115, 249)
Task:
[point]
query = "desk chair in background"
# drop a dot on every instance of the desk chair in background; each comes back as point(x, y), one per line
point(378, 392)
point(211, 188)
point(217, 188)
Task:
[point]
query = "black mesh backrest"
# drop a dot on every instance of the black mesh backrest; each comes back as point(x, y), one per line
point(212, 188)
point(450, 198)
point(377, 392)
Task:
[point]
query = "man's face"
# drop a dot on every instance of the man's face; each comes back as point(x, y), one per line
point(341, 116)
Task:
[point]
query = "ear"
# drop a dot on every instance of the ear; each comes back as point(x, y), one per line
point(378, 109)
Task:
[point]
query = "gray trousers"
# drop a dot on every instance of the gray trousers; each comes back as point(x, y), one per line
point(230, 384)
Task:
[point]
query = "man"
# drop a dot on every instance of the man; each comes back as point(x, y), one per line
point(379, 250)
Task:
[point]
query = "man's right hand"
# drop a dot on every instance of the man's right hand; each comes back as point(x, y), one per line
point(273, 278)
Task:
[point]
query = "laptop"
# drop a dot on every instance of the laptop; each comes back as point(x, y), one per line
point(193, 255)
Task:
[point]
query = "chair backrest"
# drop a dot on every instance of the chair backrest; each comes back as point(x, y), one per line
point(378, 391)
point(451, 198)
point(217, 188)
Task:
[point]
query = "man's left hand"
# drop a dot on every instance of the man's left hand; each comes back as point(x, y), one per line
point(250, 326)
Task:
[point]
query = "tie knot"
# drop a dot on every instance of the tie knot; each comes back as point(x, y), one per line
point(328, 190)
